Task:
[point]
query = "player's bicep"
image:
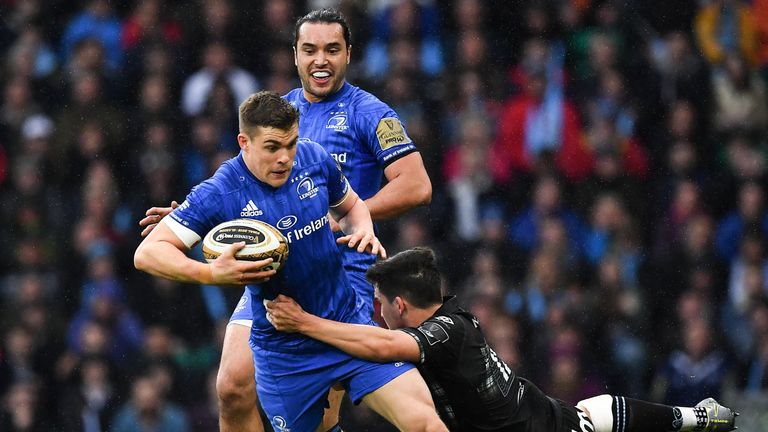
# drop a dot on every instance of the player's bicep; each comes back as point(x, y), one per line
point(436, 341)
point(405, 347)
point(171, 231)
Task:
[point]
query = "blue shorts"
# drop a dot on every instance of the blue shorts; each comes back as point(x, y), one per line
point(243, 315)
point(293, 388)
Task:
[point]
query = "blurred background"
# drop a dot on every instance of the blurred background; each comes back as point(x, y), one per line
point(599, 171)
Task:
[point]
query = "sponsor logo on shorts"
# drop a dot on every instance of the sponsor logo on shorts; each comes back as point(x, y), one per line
point(280, 424)
point(241, 304)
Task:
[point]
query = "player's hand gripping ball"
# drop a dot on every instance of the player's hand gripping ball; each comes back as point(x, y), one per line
point(262, 241)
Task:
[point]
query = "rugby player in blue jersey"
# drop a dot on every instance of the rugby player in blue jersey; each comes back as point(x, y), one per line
point(294, 373)
point(367, 139)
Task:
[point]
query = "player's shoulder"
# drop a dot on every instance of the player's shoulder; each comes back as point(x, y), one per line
point(293, 96)
point(364, 102)
point(226, 179)
point(309, 152)
point(442, 328)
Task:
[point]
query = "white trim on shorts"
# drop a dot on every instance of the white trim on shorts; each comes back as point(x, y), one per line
point(242, 322)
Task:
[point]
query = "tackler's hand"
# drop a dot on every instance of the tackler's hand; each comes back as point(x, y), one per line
point(285, 314)
point(153, 216)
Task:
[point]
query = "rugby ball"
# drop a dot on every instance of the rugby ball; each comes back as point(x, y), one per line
point(262, 241)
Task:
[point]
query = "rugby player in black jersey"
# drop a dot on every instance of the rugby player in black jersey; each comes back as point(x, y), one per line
point(473, 389)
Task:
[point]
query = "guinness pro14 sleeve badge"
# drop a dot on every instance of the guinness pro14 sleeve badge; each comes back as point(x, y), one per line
point(390, 133)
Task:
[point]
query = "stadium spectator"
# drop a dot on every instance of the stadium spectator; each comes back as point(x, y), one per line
point(741, 103)
point(149, 410)
point(97, 21)
point(217, 64)
point(750, 211)
point(699, 366)
point(547, 202)
point(725, 27)
point(407, 28)
point(22, 410)
point(535, 127)
point(89, 401)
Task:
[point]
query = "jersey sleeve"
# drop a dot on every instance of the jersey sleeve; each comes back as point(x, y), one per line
point(338, 186)
point(385, 135)
point(200, 212)
point(439, 339)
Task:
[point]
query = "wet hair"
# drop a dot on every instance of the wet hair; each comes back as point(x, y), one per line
point(411, 274)
point(325, 16)
point(266, 109)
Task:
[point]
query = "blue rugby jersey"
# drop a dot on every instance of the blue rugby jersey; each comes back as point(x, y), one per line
point(363, 134)
point(313, 273)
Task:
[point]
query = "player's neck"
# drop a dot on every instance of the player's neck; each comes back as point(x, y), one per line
point(311, 98)
point(418, 316)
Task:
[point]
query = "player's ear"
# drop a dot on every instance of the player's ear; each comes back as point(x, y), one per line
point(400, 305)
point(242, 141)
point(349, 53)
point(295, 57)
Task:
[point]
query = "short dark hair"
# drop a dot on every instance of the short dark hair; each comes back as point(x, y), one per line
point(411, 274)
point(266, 109)
point(327, 16)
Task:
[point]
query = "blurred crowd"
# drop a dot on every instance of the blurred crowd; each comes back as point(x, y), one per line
point(599, 171)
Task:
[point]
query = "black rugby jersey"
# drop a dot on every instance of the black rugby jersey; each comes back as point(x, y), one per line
point(473, 389)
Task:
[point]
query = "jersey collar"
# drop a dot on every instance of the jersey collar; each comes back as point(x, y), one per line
point(345, 88)
point(450, 305)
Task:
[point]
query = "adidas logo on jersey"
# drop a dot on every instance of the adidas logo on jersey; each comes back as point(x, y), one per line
point(251, 210)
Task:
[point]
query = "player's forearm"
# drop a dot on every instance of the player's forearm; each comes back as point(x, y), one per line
point(363, 341)
point(164, 260)
point(358, 218)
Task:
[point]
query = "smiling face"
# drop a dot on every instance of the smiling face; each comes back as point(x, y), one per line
point(321, 55)
point(269, 153)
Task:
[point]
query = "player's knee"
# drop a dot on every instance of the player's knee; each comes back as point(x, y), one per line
point(235, 388)
point(599, 410)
